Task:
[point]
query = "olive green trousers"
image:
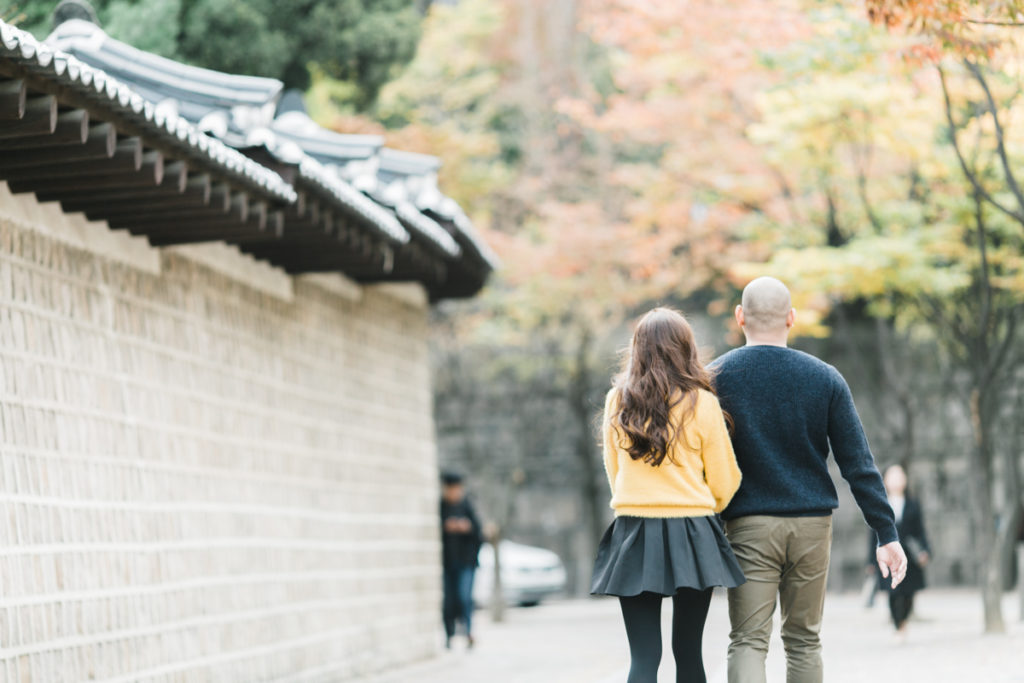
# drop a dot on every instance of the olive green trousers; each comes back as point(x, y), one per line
point(785, 558)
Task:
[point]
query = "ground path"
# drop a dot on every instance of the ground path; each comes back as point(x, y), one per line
point(582, 641)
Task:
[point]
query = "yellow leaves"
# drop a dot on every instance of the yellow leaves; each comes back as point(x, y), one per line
point(701, 134)
point(460, 50)
point(867, 108)
point(930, 260)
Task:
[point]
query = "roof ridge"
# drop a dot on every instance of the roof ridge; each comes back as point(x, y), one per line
point(92, 83)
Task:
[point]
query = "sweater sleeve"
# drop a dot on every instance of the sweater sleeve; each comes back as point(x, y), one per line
point(611, 456)
point(856, 463)
point(720, 469)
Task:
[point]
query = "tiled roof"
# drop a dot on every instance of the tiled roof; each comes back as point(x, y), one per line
point(427, 227)
point(394, 162)
point(239, 110)
point(97, 89)
point(324, 145)
point(158, 78)
point(179, 110)
point(314, 172)
point(483, 250)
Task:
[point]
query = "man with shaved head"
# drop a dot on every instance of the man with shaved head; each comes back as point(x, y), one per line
point(766, 308)
point(790, 410)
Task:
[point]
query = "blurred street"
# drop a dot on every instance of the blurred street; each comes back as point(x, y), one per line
point(582, 642)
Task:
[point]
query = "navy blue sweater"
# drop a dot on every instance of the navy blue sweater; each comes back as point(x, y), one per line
point(789, 408)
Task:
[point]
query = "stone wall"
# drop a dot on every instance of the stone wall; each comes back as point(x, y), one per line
point(207, 473)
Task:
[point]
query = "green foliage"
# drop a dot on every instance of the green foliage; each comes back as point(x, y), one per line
point(30, 15)
point(361, 42)
point(885, 214)
point(450, 101)
point(454, 75)
point(149, 25)
point(236, 37)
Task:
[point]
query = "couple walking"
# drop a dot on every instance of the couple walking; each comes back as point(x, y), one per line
point(674, 463)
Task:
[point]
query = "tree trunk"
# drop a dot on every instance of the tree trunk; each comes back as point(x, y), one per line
point(1020, 576)
point(1006, 543)
point(989, 554)
point(590, 471)
point(1014, 512)
point(1015, 469)
point(991, 574)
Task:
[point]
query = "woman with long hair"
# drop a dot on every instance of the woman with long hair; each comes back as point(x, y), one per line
point(671, 469)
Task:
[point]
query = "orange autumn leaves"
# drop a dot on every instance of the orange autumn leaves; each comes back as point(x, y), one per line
point(685, 79)
point(605, 146)
point(966, 28)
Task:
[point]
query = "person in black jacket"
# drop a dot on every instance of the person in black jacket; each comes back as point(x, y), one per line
point(910, 525)
point(461, 538)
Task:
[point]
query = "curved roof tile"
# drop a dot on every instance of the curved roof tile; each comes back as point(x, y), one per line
point(88, 84)
point(313, 171)
point(429, 228)
point(95, 86)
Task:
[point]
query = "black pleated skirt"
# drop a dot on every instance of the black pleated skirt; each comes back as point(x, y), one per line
point(662, 555)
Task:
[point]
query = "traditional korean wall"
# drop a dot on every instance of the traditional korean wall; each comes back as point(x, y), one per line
point(201, 479)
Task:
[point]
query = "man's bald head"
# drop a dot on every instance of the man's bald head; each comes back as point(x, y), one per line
point(766, 306)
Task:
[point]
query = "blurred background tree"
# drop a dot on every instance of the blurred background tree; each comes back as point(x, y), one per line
point(902, 220)
point(667, 154)
point(361, 43)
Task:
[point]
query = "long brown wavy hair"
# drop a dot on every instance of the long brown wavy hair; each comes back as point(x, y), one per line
point(661, 370)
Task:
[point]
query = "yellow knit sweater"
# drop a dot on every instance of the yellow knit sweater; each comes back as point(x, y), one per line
point(699, 478)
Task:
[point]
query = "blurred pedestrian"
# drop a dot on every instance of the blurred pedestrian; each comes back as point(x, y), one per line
point(671, 468)
point(791, 411)
point(461, 538)
point(910, 525)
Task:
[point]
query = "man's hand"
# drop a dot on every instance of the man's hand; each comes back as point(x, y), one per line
point(892, 561)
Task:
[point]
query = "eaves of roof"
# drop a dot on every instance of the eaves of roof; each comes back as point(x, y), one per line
point(197, 92)
point(314, 172)
point(324, 144)
point(429, 228)
point(473, 238)
point(94, 88)
point(411, 232)
point(400, 162)
point(164, 76)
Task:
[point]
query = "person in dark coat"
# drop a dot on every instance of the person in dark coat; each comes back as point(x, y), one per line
point(910, 526)
point(461, 538)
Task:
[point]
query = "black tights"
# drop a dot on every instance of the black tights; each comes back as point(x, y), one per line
point(642, 615)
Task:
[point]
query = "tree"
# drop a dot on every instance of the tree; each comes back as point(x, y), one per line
point(28, 15)
point(490, 92)
point(612, 169)
point(905, 221)
point(976, 33)
point(957, 25)
point(619, 154)
point(360, 42)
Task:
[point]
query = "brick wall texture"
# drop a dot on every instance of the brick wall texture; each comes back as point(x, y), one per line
point(199, 481)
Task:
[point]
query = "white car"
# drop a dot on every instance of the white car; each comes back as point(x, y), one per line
point(528, 574)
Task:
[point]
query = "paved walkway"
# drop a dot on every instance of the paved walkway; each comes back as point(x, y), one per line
point(583, 642)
